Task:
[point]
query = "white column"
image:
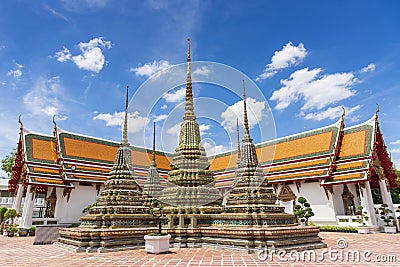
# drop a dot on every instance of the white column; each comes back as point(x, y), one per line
point(368, 204)
point(387, 199)
point(18, 198)
point(28, 208)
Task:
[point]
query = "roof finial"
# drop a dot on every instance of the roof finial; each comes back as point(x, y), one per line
point(246, 122)
point(344, 112)
point(20, 122)
point(54, 121)
point(125, 130)
point(153, 161)
point(238, 140)
point(189, 114)
point(378, 110)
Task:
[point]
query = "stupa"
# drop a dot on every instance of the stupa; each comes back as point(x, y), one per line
point(191, 183)
point(118, 219)
point(250, 221)
point(152, 187)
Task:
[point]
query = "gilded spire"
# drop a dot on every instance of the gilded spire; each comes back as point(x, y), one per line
point(125, 130)
point(153, 161)
point(238, 140)
point(189, 113)
point(246, 122)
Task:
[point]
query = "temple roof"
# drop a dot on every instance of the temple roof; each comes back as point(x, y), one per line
point(331, 154)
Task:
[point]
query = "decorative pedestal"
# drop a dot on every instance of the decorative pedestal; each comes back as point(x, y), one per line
point(390, 229)
point(157, 244)
point(363, 230)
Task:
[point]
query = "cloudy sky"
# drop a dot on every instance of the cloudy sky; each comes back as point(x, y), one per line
point(73, 59)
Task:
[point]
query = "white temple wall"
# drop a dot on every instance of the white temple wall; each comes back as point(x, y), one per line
point(80, 198)
point(323, 208)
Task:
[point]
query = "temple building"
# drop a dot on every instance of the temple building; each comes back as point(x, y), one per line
point(334, 167)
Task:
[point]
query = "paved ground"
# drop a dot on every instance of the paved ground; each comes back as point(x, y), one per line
point(374, 250)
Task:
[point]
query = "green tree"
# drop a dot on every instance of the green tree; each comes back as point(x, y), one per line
point(303, 211)
point(2, 212)
point(7, 163)
point(10, 214)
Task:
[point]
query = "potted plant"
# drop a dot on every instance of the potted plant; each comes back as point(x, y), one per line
point(363, 216)
point(32, 230)
point(157, 242)
point(12, 230)
point(23, 231)
point(386, 216)
point(303, 211)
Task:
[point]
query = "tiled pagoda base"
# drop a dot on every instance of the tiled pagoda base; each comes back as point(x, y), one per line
point(102, 240)
point(246, 239)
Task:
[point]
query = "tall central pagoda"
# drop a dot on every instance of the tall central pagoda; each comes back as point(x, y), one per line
point(191, 183)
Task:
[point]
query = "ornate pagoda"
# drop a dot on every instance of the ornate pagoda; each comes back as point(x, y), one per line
point(118, 208)
point(191, 183)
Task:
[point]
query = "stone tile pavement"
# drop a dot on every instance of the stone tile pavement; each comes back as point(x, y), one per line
point(344, 249)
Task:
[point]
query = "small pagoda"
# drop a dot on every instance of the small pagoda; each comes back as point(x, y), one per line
point(119, 218)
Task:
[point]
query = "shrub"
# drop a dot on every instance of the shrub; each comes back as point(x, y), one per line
point(303, 211)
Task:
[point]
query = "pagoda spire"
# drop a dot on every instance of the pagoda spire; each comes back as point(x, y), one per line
point(125, 130)
point(238, 140)
point(189, 113)
point(153, 160)
point(246, 122)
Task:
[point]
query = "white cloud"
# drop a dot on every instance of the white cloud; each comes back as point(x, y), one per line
point(163, 107)
point(332, 113)
point(212, 149)
point(44, 97)
point(81, 5)
point(204, 128)
point(16, 73)
point(63, 55)
point(3, 83)
point(371, 67)
point(176, 96)
point(203, 71)
point(317, 91)
point(290, 55)
point(56, 13)
point(136, 122)
point(397, 142)
point(255, 110)
point(395, 150)
point(151, 68)
point(91, 58)
point(160, 117)
point(174, 130)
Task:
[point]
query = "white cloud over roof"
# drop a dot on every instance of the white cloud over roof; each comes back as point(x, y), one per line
point(290, 55)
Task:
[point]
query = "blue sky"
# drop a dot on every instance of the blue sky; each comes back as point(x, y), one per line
point(309, 59)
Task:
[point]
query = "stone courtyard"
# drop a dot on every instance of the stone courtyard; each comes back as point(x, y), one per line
point(384, 248)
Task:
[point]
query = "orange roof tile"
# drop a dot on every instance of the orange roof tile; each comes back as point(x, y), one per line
point(353, 144)
point(89, 150)
point(43, 150)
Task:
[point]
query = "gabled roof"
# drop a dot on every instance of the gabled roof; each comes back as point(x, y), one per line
point(355, 154)
point(302, 156)
point(37, 162)
point(90, 159)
